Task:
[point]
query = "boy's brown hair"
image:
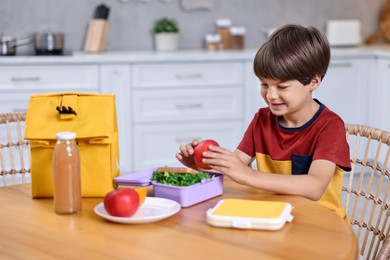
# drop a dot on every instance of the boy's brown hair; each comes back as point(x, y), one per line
point(293, 52)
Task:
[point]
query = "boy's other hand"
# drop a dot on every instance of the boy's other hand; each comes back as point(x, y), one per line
point(186, 154)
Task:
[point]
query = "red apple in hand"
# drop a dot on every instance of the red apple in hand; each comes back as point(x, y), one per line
point(122, 202)
point(198, 152)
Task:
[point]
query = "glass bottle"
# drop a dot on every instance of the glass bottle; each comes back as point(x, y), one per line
point(66, 174)
point(238, 37)
point(223, 29)
point(213, 41)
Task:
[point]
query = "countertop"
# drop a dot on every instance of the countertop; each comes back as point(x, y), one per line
point(363, 51)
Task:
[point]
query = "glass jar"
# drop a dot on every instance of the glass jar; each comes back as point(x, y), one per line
point(223, 29)
point(213, 41)
point(66, 174)
point(238, 37)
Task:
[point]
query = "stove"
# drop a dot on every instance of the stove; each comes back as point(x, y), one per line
point(46, 54)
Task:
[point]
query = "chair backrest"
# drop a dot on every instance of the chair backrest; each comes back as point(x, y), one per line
point(366, 187)
point(14, 150)
point(384, 252)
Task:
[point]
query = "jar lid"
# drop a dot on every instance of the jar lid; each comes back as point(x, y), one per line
point(213, 38)
point(66, 135)
point(223, 22)
point(237, 30)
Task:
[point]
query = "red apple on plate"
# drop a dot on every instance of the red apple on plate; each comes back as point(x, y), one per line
point(198, 152)
point(122, 202)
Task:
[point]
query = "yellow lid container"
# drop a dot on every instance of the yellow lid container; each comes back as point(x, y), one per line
point(250, 214)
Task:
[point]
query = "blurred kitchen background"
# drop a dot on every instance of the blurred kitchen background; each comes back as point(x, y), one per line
point(130, 21)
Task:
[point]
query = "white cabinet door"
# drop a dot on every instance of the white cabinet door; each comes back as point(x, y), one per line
point(187, 74)
point(46, 77)
point(345, 88)
point(187, 104)
point(380, 96)
point(18, 83)
point(157, 144)
point(115, 79)
point(176, 102)
point(14, 102)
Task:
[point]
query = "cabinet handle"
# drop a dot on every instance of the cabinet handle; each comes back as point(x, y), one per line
point(20, 79)
point(189, 76)
point(185, 140)
point(189, 106)
point(341, 65)
point(115, 72)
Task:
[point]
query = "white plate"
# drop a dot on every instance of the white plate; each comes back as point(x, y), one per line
point(153, 209)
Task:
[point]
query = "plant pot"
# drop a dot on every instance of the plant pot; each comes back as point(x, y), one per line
point(166, 41)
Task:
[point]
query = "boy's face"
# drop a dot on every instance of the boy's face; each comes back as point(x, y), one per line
point(286, 98)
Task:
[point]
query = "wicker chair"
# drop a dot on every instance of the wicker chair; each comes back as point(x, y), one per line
point(384, 253)
point(366, 189)
point(14, 150)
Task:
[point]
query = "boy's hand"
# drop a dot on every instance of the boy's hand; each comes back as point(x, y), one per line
point(229, 163)
point(186, 154)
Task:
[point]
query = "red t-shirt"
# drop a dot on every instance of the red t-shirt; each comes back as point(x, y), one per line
point(291, 150)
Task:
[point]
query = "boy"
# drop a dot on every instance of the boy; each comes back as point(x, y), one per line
point(298, 143)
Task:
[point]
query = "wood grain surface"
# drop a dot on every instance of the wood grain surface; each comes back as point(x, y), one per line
point(31, 230)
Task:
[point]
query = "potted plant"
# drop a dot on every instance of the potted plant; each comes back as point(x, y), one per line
point(166, 34)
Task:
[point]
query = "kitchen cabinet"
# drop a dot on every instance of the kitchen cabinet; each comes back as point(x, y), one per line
point(115, 79)
point(157, 144)
point(17, 83)
point(69, 77)
point(173, 103)
point(345, 88)
point(188, 74)
point(14, 102)
point(380, 95)
point(187, 104)
point(253, 100)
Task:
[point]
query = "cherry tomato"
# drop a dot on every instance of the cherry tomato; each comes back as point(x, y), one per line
point(198, 152)
point(122, 202)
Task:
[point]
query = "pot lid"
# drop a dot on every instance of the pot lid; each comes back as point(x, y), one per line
point(6, 38)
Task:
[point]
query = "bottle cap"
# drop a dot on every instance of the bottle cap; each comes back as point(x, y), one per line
point(237, 30)
point(66, 135)
point(213, 38)
point(223, 22)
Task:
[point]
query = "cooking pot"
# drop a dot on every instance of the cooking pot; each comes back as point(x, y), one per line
point(8, 45)
point(49, 43)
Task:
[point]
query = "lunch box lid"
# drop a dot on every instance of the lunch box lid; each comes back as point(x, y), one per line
point(143, 178)
point(137, 178)
point(250, 214)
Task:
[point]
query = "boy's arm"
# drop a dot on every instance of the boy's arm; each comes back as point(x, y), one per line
point(246, 159)
point(311, 185)
point(235, 165)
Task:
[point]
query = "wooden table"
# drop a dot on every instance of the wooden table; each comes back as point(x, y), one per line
point(30, 229)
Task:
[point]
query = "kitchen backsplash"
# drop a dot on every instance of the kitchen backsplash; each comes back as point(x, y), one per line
point(130, 21)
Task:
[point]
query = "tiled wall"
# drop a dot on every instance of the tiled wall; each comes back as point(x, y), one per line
point(131, 20)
